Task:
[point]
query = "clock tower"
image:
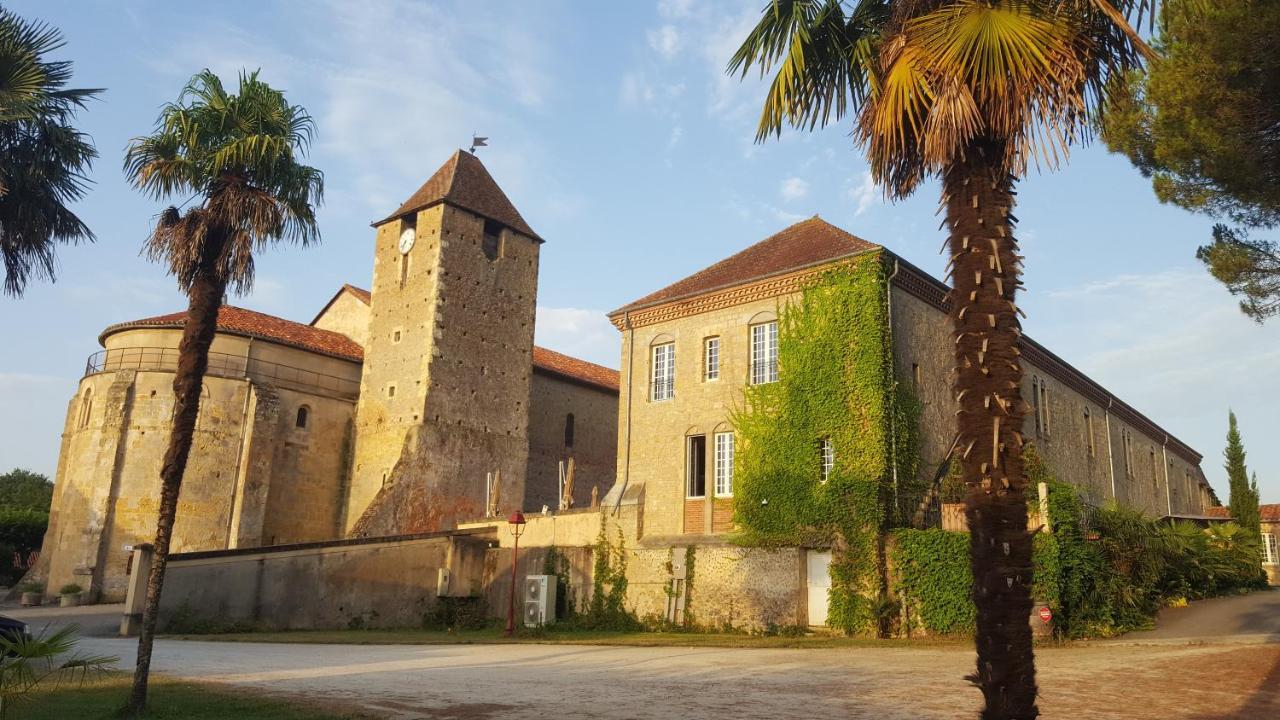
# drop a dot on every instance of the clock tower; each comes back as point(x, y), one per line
point(444, 391)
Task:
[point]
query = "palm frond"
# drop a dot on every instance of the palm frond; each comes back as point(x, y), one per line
point(241, 152)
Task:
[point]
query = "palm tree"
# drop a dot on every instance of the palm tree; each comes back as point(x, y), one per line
point(43, 159)
point(241, 153)
point(971, 92)
point(27, 662)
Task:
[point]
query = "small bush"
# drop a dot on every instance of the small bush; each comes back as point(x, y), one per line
point(457, 613)
point(70, 589)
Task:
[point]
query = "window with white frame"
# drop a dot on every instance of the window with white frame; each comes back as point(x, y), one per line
point(1270, 553)
point(664, 371)
point(827, 454)
point(724, 464)
point(764, 353)
point(711, 358)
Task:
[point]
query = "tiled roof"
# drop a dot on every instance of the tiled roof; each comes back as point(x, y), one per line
point(239, 321)
point(808, 242)
point(1270, 513)
point(546, 360)
point(1218, 512)
point(574, 369)
point(464, 182)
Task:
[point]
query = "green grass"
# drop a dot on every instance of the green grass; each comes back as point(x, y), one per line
point(102, 698)
point(566, 637)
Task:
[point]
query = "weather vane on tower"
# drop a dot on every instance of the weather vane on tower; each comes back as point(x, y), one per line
point(477, 142)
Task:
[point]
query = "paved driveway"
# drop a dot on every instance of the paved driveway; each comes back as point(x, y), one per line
point(1256, 615)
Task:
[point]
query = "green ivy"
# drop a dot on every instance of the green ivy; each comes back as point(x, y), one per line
point(933, 574)
point(836, 381)
point(607, 609)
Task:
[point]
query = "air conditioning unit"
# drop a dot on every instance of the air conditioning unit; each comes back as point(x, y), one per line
point(539, 600)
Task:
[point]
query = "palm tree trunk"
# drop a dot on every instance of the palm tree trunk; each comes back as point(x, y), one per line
point(979, 199)
point(205, 297)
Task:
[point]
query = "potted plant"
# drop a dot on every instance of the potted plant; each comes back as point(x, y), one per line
point(32, 594)
point(70, 595)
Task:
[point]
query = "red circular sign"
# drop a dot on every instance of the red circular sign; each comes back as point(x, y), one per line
point(1046, 614)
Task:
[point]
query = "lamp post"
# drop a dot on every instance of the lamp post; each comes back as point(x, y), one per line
point(516, 521)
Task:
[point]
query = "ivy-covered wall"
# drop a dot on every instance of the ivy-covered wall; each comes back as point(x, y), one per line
point(836, 384)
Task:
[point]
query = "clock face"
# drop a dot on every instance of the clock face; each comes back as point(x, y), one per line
point(406, 240)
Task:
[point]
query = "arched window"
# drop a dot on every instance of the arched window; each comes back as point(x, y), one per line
point(568, 430)
point(303, 417)
point(86, 407)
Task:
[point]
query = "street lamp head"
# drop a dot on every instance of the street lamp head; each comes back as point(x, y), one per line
point(517, 518)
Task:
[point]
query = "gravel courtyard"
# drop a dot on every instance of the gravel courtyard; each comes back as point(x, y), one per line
point(1218, 659)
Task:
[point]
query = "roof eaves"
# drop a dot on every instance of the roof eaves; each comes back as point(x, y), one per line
point(756, 278)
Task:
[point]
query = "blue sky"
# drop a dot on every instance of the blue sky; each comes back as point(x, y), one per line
point(617, 135)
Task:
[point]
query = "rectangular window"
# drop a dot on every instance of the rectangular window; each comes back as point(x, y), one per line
point(1044, 409)
point(1088, 432)
point(1035, 402)
point(1270, 553)
point(724, 464)
point(711, 358)
point(664, 371)
point(696, 472)
point(827, 453)
point(764, 353)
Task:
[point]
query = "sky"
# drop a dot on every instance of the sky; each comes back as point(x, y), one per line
point(615, 131)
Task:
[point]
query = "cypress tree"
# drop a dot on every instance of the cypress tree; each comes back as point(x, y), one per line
point(1244, 498)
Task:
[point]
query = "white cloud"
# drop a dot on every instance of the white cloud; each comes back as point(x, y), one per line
point(677, 132)
point(665, 41)
point(672, 9)
point(635, 91)
point(585, 334)
point(865, 194)
point(793, 188)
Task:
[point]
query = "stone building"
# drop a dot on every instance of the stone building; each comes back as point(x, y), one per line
point(394, 411)
point(1271, 541)
point(690, 349)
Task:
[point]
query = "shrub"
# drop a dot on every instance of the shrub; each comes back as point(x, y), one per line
point(70, 589)
point(457, 613)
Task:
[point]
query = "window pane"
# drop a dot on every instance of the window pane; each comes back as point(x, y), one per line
point(828, 456)
point(664, 371)
point(711, 354)
point(764, 353)
point(724, 464)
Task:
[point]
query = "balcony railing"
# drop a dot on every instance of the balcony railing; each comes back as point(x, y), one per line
point(159, 359)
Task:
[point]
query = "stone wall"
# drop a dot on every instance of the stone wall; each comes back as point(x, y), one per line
point(384, 582)
point(652, 452)
point(1073, 443)
point(445, 390)
point(595, 440)
point(346, 314)
point(115, 437)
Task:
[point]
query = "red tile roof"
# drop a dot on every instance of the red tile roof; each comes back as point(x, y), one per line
point(238, 321)
point(464, 182)
point(570, 367)
point(808, 242)
point(1218, 512)
point(1270, 513)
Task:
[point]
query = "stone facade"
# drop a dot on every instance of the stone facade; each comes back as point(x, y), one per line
point(300, 437)
point(570, 419)
point(1081, 430)
point(1271, 542)
point(444, 396)
point(254, 477)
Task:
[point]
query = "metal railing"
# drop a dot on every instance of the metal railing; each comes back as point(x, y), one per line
point(222, 365)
